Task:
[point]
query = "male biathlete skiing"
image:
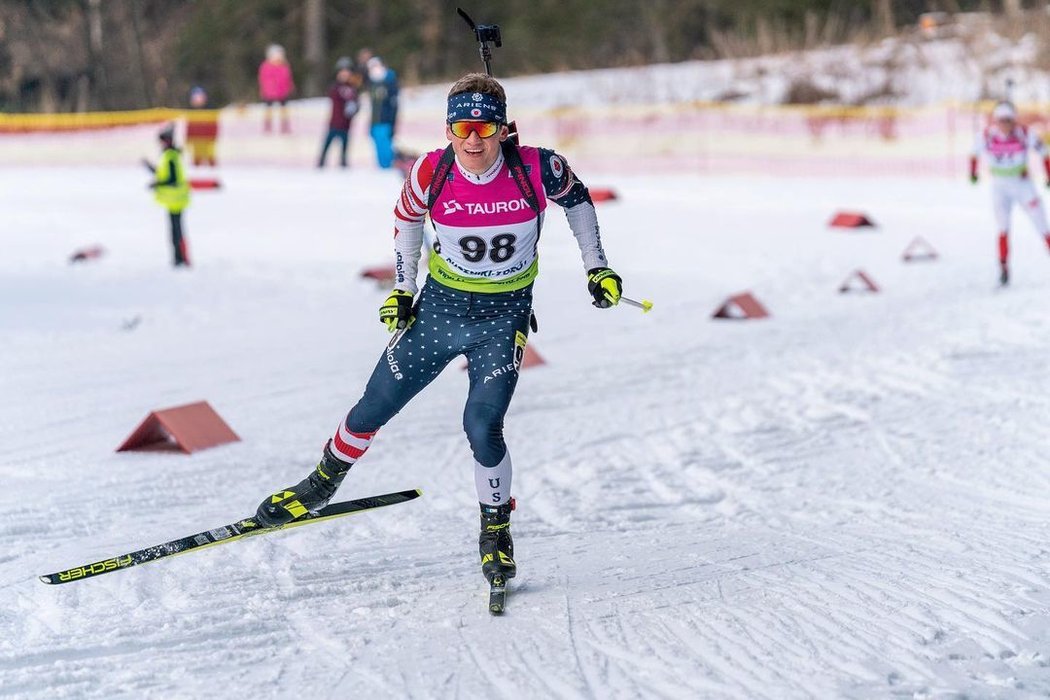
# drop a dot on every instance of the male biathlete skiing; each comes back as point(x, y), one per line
point(1006, 144)
point(486, 197)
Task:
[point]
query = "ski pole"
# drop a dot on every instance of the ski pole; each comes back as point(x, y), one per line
point(398, 335)
point(645, 305)
point(395, 339)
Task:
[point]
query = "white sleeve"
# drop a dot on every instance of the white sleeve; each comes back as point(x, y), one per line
point(584, 224)
point(409, 216)
point(407, 249)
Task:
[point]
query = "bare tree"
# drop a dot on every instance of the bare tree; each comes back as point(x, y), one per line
point(96, 73)
point(314, 46)
point(654, 13)
point(140, 53)
point(884, 19)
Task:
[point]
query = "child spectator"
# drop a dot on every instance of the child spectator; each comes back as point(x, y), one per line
point(343, 94)
point(276, 85)
point(202, 128)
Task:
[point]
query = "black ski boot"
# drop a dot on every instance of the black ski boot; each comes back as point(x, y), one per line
point(309, 495)
point(1004, 275)
point(495, 543)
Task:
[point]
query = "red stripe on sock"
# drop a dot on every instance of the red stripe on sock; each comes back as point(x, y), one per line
point(346, 448)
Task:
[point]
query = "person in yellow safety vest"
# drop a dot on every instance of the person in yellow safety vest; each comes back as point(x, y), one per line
point(172, 191)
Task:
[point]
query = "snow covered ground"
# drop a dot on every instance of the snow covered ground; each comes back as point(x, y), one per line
point(849, 499)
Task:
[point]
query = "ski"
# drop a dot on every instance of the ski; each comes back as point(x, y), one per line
point(222, 535)
point(497, 594)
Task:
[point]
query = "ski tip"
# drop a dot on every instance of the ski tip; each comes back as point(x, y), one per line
point(46, 579)
point(419, 492)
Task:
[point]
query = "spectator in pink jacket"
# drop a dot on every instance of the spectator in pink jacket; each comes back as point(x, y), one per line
point(276, 85)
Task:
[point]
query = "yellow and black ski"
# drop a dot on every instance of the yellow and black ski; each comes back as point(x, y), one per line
point(221, 535)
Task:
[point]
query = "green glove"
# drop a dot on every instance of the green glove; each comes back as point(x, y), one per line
point(396, 311)
point(605, 286)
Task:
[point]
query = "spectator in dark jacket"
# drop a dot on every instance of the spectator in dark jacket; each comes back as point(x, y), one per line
point(383, 88)
point(344, 97)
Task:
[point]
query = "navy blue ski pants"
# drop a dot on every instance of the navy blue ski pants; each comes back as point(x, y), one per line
point(489, 329)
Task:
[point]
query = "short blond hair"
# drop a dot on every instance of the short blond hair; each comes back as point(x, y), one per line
point(479, 82)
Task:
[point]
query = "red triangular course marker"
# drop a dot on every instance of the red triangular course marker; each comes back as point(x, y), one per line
point(531, 358)
point(602, 194)
point(850, 219)
point(741, 306)
point(83, 254)
point(858, 281)
point(383, 276)
point(204, 183)
point(919, 250)
point(186, 429)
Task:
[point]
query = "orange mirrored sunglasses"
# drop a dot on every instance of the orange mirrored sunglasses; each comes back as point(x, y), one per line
point(461, 130)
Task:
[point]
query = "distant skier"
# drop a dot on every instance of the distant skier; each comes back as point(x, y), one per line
point(1005, 144)
point(486, 198)
point(172, 191)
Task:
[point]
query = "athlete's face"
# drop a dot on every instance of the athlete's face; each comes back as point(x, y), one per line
point(475, 153)
point(1006, 125)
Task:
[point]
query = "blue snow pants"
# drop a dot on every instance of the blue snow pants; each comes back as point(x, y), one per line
point(383, 136)
point(489, 329)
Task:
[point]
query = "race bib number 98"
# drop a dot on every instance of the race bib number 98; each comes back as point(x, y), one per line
point(499, 249)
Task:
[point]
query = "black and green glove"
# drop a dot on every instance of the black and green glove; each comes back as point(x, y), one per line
point(605, 286)
point(396, 311)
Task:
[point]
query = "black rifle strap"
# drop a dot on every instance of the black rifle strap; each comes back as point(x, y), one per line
point(437, 183)
point(514, 164)
point(521, 179)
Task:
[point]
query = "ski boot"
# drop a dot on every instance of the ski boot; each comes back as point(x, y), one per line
point(308, 496)
point(1004, 275)
point(495, 543)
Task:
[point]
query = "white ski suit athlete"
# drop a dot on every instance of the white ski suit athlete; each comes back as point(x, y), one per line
point(1007, 157)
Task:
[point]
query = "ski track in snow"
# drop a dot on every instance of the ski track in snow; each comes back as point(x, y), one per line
point(847, 500)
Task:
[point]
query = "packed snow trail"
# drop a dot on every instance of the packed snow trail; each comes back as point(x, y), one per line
point(848, 500)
